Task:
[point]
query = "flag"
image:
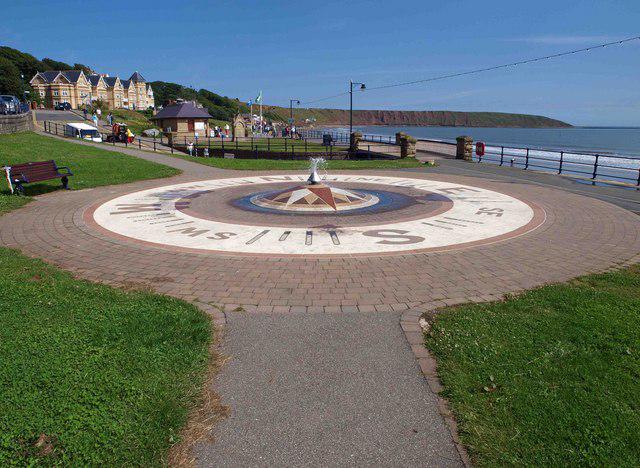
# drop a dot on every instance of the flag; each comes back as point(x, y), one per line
point(259, 97)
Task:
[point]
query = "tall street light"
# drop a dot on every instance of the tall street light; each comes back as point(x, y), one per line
point(291, 101)
point(362, 88)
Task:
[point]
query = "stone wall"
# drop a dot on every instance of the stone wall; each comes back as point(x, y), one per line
point(16, 123)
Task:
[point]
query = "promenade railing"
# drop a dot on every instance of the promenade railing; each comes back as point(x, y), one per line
point(595, 167)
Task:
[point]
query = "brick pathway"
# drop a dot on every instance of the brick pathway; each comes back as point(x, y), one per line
point(580, 235)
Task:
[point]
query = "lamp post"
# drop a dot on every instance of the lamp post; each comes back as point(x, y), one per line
point(362, 88)
point(291, 101)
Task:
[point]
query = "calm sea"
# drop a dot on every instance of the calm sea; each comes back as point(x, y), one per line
point(612, 141)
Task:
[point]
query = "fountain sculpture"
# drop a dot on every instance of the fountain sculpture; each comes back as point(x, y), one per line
point(316, 196)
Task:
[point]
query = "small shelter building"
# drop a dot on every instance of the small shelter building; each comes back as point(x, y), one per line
point(183, 120)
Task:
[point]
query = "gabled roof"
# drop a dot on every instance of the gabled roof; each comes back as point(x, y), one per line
point(49, 76)
point(137, 78)
point(125, 83)
point(94, 79)
point(184, 110)
point(72, 75)
point(110, 81)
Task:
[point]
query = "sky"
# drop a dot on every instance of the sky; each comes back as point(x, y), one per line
point(309, 50)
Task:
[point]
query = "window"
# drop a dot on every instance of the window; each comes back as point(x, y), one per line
point(56, 93)
point(41, 93)
point(55, 102)
point(65, 93)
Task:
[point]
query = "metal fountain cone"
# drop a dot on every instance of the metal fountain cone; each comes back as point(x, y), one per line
point(314, 178)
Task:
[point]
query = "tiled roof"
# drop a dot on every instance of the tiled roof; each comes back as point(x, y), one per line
point(72, 75)
point(49, 76)
point(125, 83)
point(110, 80)
point(185, 110)
point(95, 79)
point(137, 78)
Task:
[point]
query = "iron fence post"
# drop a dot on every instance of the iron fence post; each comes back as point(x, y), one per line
point(501, 155)
point(268, 144)
point(638, 177)
point(561, 160)
point(154, 144)
point(526, 161)
point(595, 167)
point(139, 143)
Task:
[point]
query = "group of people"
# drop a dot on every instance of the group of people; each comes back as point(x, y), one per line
point(216, 132)
point(97, 115)
point(290, 132)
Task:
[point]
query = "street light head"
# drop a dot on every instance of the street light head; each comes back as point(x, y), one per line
point(298, 102)
point(362, 87)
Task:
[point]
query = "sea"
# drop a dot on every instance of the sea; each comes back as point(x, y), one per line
point(621, 141)
point(611, 153)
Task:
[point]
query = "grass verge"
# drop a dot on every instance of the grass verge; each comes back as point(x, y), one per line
point(278, 164)
point(91, 166)
point(89, 374)
point(548, 378)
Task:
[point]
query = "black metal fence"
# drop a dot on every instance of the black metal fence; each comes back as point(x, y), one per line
point(592, 166)
point(343, 138)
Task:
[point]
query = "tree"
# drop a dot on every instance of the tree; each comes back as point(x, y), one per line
point(87, 71)
point(10, 81)
point(55, 65)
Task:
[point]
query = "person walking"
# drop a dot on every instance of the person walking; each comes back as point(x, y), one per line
point(190, 147)
point(84, 111)
point(95, 119)
point(110, 118)
point(226, 129)
point(99, 113)
point(206, 152)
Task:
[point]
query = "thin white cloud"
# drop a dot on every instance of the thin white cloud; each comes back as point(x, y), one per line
point(562, 40)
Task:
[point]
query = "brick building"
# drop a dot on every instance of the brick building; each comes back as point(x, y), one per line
point(78, 89)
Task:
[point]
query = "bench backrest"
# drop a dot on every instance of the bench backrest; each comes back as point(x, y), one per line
point(35, 171)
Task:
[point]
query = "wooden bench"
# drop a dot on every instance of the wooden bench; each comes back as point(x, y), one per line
point(27, 173)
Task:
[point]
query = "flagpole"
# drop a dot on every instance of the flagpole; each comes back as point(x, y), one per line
point(261, 99)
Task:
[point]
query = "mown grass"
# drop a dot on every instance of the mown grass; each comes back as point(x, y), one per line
point(89, 374)
point(550, 378)
point(269, 144)
point(277, 164)
point(91, 166)
point(136, 120)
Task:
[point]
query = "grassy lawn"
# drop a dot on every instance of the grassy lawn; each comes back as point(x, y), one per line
point(89, 374)
point(275, 164)
point(269, 144)
point(548, 378)
point(137, 121)
point(91, 166)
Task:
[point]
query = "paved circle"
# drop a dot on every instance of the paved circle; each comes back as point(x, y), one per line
point(163, 216)
point(579, 235)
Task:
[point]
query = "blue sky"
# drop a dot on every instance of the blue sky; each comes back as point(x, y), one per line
point(308, 50)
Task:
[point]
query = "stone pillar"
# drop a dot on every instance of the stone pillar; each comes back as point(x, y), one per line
point(354, 142)
point(407, 145)
point(464, 148)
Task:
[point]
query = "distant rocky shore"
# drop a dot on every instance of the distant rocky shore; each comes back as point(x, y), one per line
point(421, 118)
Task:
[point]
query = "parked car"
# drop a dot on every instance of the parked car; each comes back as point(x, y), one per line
point(63, 106)
point(9, 104)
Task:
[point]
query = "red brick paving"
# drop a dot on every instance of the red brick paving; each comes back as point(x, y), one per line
point(580, 235)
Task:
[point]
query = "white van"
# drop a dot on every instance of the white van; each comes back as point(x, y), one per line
point(82, 130)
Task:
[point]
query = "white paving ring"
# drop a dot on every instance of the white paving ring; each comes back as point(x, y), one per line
point(477, 215)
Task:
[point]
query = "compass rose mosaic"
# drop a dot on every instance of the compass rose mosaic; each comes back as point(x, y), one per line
point(343, 215)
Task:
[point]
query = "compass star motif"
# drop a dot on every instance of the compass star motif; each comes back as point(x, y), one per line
point(318, 195)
